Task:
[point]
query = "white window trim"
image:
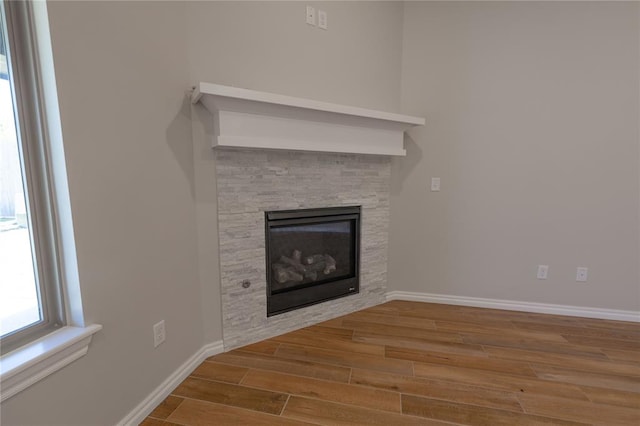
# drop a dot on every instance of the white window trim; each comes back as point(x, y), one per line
point(33, 362)
point(36, 360)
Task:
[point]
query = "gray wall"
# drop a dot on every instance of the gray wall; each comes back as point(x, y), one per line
point(268, 46)
point(140, 188)
point(122, 71)
point(532, 124)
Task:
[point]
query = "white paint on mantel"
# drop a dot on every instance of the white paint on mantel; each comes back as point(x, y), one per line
point(246, 118)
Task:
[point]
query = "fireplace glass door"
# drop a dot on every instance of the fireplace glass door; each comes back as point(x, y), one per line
point(312, 256)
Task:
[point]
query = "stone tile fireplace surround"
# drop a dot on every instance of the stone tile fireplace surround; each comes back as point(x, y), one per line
point(275, 152)
point(251, 182)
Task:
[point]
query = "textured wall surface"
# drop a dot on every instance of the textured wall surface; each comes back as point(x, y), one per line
point(252, 182)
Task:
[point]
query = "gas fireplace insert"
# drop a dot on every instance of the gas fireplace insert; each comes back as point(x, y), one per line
point(312, 256)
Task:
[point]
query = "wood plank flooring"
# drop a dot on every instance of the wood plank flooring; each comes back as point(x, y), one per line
point(409, 363)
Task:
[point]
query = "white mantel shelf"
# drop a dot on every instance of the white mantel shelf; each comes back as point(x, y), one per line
point(246, 118)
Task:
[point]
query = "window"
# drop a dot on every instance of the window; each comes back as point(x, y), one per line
point(42, 325)
point(30, 296)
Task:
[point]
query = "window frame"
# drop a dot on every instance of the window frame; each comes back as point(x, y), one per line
point(25, 79)
point(56, 345)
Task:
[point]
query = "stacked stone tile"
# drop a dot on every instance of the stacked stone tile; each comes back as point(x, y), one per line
point(250, 182)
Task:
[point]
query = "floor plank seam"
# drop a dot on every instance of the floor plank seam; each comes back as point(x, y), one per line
point(233, 384)
point(178, 406)
point(176, 423)
point(333, 382)
point(522, 407)
point(470, 404)
point(312, 398)
point(285, 404)
point(375, 410)
point(237, 407)
point(289, 360)
point(244, 376)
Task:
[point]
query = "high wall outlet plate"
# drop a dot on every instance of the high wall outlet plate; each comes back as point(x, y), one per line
point(435, 184)
point(322, 19)
point(311, 15)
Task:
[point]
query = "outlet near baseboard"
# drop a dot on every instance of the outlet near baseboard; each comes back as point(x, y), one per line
point(582, 274)
point(543, 271)
point(159, 334)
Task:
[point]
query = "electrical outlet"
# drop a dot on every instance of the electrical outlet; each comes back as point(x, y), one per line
point(582, 274)
point(322, 19)
point(435, 184)
point(159, 334)
point(311, 15)
point(543, 270)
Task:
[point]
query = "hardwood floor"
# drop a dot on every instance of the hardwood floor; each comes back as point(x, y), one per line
point(409, 363)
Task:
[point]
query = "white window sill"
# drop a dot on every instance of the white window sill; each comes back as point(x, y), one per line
point(31, 363)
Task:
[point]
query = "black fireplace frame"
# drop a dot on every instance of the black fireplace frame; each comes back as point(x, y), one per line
point(300, 297)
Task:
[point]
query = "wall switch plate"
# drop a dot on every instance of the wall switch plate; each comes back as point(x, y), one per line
point(159, 334)
point(322, 19)
point(543, 271)
point(311, 15)
point(435, 184)
point(582, 274)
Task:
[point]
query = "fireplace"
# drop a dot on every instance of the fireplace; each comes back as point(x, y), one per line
point(312, 256)
point(275, 152)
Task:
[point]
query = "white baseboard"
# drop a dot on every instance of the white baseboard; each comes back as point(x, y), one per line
point(212, 349)
point(138, 414)
point(510, 305)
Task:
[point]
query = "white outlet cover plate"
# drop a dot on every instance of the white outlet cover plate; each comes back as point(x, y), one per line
point(543, 271)
point(311, 15)
point(582, 274)
point(159, 334)
point(322, 19)
point(435, 184)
